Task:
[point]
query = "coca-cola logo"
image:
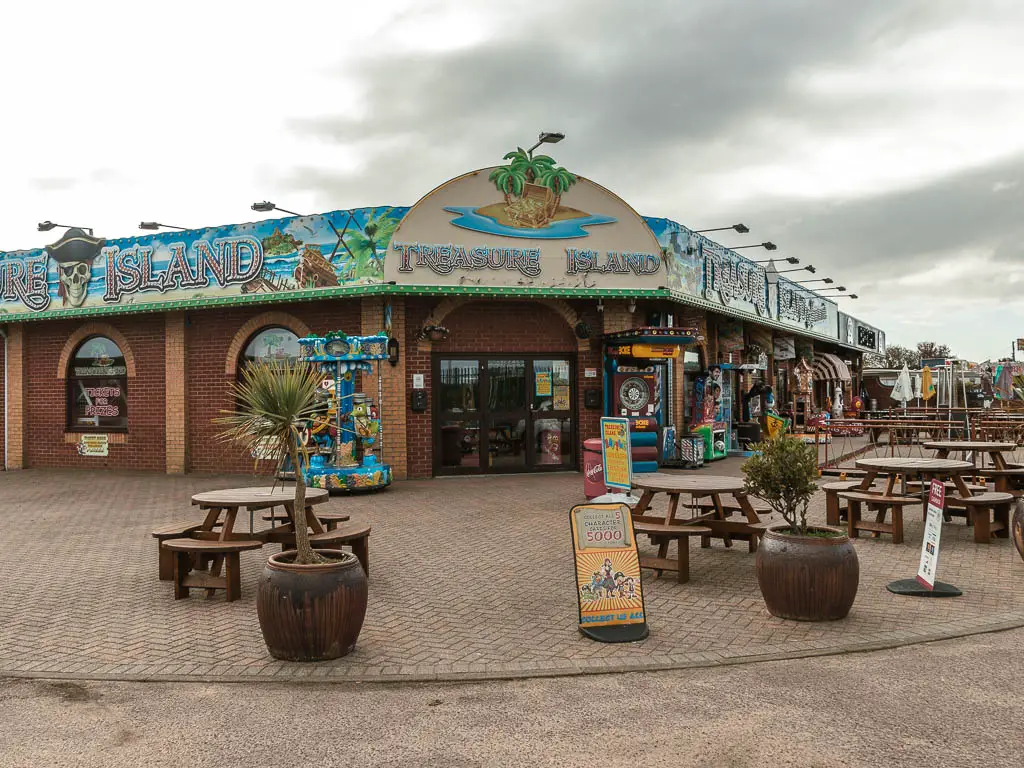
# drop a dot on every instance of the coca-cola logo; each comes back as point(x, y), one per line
point(594, 471)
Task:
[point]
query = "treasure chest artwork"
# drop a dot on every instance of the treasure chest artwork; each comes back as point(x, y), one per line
point(344, 439)
point(609, 591)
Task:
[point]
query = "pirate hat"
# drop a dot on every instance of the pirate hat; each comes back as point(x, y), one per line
point(75, 245)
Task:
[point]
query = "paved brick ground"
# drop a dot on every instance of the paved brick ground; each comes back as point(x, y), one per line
point(470, 578)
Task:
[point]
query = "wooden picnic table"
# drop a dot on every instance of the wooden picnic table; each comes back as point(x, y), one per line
point(994, 450)
point(699, 486)
point(228, 501)
point(926, 469)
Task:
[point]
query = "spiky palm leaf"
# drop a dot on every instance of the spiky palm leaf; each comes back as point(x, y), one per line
point(508, 179)
point(558, 180)
point(273, 402)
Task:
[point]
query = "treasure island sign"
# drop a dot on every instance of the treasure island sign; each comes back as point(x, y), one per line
point(302, 253)
point(526, 223)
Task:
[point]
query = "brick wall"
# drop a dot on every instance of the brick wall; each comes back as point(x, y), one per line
point(393, 407)
point(175, 375)
point(46, 442)
point(208, 337)
point(729, 337)
point(497, 326)
point(3, 404)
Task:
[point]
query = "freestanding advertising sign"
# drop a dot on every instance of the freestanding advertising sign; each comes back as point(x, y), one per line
point(925, 585)
point(615, 453)
point(608, 589)
point(932, 534)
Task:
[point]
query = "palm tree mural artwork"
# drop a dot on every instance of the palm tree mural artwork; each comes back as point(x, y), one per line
point(533, 189)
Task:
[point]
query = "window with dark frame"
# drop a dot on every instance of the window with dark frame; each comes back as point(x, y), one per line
point(97, 385)
point(273, 343)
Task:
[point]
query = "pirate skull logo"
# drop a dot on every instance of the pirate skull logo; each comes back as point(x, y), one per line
point(74, 254)
point(74, 281)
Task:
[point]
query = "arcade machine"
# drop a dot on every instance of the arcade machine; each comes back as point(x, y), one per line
point(636, 385)
point(343, 437)
point(712, 411)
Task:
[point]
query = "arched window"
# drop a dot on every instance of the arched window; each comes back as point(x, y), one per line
point(271, 343)
point(97, 387)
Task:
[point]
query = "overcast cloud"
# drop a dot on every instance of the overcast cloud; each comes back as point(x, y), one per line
point(878, 140)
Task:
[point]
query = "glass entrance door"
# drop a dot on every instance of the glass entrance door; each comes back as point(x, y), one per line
point(503, 413)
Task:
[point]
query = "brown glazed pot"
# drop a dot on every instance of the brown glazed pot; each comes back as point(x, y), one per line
point(807, 578)
point(311, 612)
point(1017, 528)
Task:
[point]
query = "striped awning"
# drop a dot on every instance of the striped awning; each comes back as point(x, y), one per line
point(828, 367)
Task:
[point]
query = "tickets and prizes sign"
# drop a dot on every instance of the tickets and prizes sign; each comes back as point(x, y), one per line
point(615, 452)
point(609, 592)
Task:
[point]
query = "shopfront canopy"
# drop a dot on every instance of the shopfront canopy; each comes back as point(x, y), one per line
point(828, 367)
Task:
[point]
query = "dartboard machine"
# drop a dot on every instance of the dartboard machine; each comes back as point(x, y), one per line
point(344, 441)
point(637, 385)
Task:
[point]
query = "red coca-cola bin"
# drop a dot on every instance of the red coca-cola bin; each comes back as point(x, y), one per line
point(593, 469)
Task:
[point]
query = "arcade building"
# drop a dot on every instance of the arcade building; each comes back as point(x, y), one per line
point(520, 303)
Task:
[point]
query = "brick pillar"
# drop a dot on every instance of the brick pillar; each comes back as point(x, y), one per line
point(15, 396)
point(175, 405)
point(392, 409)
point(617, 317)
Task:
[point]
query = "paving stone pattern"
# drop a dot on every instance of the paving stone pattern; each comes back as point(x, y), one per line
point(469, 578)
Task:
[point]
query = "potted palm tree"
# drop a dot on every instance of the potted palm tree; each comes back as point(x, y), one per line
point(311, 603)
point(805, 572)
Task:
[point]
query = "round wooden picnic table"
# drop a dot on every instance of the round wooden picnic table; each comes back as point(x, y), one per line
point(995, 450)
point(665, 483)
point(913, 467)
point(696, 486)
point(229, 500)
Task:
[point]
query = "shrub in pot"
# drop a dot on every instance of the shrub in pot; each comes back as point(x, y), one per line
point(310, 603)
point(807, 573)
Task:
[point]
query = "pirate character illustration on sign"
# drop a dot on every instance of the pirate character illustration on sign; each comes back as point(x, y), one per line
point(74, 254)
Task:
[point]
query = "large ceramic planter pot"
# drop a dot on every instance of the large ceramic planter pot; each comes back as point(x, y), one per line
point(1017, 528)
point(311, 612)
point(807, 578)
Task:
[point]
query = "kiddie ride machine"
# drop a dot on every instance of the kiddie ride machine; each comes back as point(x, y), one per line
point(342, 438)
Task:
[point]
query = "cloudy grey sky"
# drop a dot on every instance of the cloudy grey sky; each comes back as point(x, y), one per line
point(879, 140)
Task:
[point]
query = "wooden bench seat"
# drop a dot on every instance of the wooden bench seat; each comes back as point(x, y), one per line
point(661, 533)
point(918, 486)
point(355, 535)
point(835, 512)
point(839, 471)
point(225, 552)
point(881, 505)
point(329, 520)
point(179, 530)
point(707, 505)
point(988, 513)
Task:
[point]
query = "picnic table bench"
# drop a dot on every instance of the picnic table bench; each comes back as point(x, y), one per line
point(660, 533)
point(988, 513)
point(186, 577)
point(880, 504)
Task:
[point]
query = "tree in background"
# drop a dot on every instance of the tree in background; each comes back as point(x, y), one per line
point(895, 356)
point(929, 349)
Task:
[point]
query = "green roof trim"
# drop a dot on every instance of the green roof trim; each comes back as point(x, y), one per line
point(386, 289)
